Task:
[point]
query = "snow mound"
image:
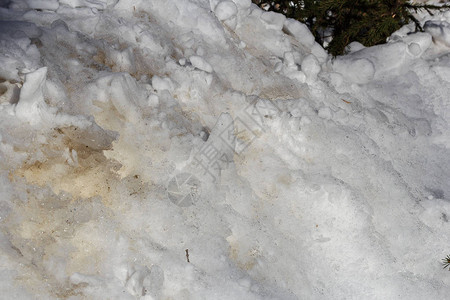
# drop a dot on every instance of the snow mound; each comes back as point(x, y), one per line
point(207, 149)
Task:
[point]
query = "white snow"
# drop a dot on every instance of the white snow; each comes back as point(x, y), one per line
point(358, 70)
point(208, 149)
point(273, 20)
point(311, 67)
point(300, 31)
point(43, 4)
point(31, 102)
point(200, 63)
point(440, 30)
point(226, 10)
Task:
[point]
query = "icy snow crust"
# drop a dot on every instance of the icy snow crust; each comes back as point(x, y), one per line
point(132, 131)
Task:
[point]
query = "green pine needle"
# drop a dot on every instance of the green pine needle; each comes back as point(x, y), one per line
point(446, 262)
point(369, 22)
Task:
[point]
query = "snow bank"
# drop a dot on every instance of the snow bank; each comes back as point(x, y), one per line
point(211, 150)
point(31, 104)
point(225, 10)
point(440, 31)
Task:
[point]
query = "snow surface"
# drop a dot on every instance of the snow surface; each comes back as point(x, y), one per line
point(138, 135)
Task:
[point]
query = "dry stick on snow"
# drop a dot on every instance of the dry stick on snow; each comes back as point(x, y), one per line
point(187, 255)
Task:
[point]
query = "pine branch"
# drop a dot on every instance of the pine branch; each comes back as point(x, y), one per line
point(369, 22)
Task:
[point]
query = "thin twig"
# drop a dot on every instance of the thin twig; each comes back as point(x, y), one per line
point(187, 255)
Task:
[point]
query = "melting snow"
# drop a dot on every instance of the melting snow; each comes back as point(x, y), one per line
point(193, 149)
